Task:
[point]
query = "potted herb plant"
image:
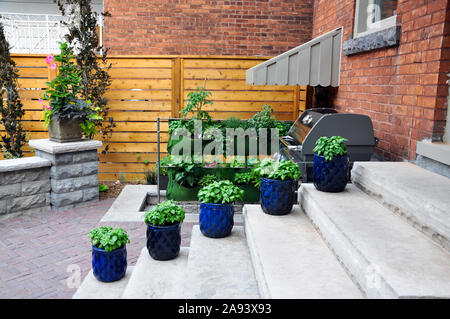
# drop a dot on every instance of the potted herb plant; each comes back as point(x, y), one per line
point(163, 230)
point(277, 186)
point(66, 116)
point(216, 208)
point(249, 183)
point(109, 253)
point(331, 164)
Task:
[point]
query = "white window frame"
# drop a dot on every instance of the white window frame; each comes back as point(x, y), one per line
point(381, 25)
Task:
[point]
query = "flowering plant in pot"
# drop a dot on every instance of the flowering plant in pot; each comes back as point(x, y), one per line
point(331, 164)
point(164, 230)
point(277, 185)
point(65, 115)
point(216, 208)
point(109, 253)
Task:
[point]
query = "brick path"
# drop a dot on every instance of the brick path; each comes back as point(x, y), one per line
point(36, 250)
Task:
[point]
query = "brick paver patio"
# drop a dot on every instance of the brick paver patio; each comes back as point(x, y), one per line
point(38, 251)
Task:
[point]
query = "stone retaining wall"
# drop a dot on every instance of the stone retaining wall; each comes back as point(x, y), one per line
point(24, 185)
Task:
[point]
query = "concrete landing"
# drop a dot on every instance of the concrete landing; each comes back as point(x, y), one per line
point(128, 206)
point(386, 256)
point(153, 279)
point(420, 196)
point(290, 258)
point(219, 267)
point(91, 288)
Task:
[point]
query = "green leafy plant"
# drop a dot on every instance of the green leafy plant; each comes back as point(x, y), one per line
point(62, 94)
point(164, 162)
point(247, 178)
point(150, 177)
point(279, 170)
point(83, 37)
point(186, 172)
point(11, 112)
point(164, 214)
point(208, 179)
point(263, 119)
point(330, 147)
point(221, 192)
point(108, 238)
point(195, 102)
point(102, 187)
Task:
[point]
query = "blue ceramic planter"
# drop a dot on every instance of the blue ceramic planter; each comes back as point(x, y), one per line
point(163, 242)
point(216, 220)
point(330, 176)
point(109, 266)
point(277, 197)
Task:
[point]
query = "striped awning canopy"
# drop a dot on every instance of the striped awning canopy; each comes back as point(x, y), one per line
point(317, 62)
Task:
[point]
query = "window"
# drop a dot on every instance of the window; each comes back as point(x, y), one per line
point(374, 15)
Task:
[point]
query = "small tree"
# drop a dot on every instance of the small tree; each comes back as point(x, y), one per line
point(11, 106)
point(83, 38)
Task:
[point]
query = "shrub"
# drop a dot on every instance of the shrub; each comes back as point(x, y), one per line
point(164, 214)
point(11, 112)
point(221, 192)
point(108, 238)
point(282, 170)
point(330, 147)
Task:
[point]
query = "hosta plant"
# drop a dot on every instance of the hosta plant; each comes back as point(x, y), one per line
point(278, 170)
point(108, 238)
point(330, 147)
point(164, 214)
point(221, 192)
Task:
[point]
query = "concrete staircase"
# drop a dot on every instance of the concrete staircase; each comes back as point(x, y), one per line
point(360, 243)
point(209, 268)
point(383, 253)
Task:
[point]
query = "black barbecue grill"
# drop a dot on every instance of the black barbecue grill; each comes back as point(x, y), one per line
point(298, 145)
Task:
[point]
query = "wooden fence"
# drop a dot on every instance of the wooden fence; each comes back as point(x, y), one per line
point(147, 87)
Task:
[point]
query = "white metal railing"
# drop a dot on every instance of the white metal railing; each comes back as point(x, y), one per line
point(34, 33)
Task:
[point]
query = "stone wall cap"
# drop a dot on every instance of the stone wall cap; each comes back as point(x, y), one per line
point(16, 164)
point(51, 147)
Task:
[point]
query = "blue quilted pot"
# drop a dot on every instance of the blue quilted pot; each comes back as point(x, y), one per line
point(216, 220)
point(163, 242)
point(109, 266)
point(277, 197)
point(331, 176)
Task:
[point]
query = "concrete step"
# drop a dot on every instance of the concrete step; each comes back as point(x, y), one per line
point(91, 288)
point(153, 279)
point(290, 258)
point(219, 267)
point(418, 195)
point(387, 257)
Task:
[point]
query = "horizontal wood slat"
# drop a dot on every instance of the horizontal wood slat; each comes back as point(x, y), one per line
point(145, 88)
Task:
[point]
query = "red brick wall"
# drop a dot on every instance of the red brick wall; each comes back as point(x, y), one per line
point(207, 27)
point(403, 88)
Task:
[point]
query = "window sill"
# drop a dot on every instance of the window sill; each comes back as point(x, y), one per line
point(381, 39)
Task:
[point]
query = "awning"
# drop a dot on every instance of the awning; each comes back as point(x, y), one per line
point(317, 62)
